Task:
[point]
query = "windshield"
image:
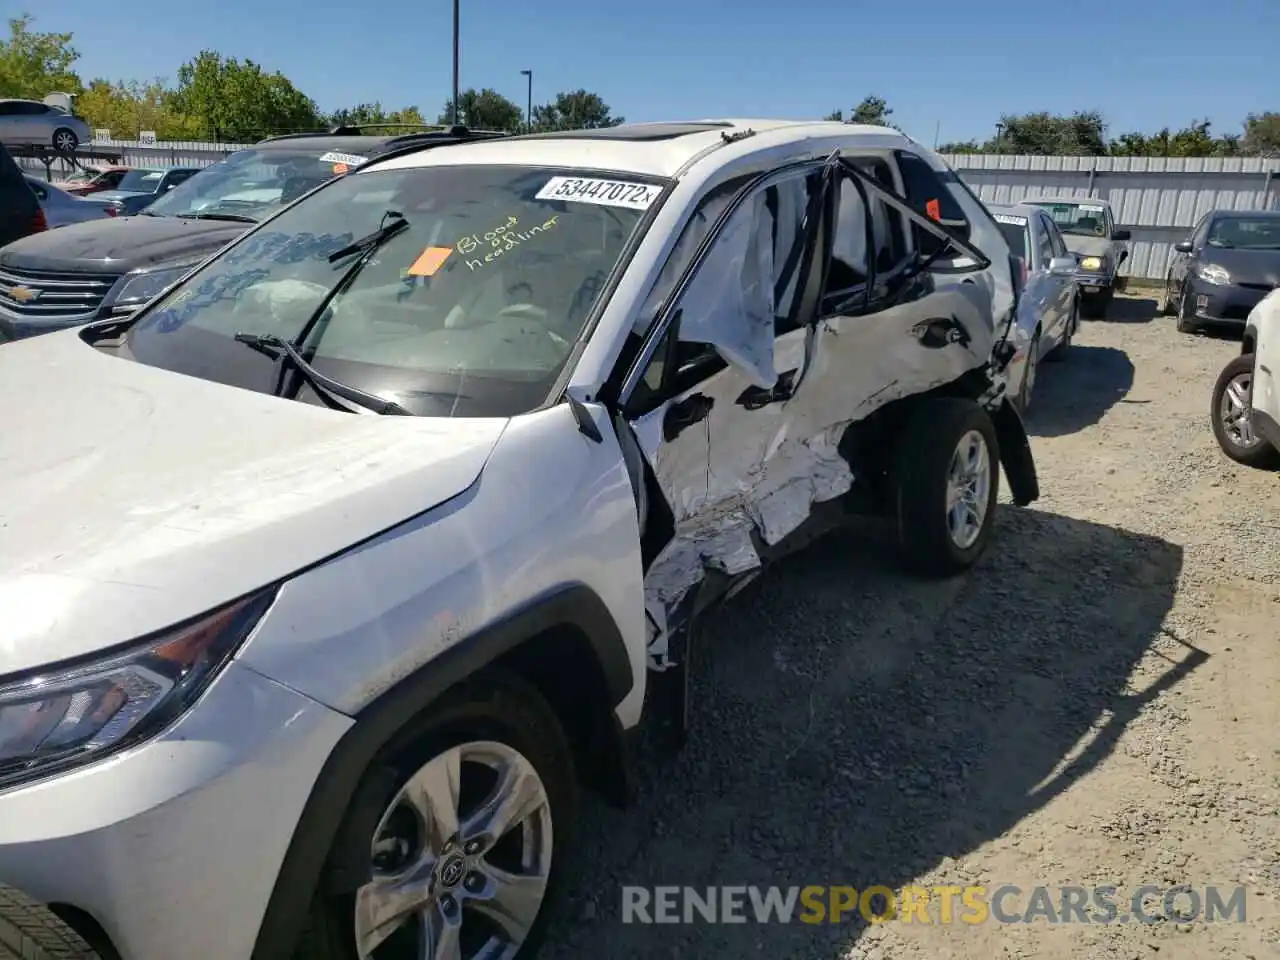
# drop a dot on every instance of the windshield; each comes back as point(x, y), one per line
point(143, 181)
point(1081, 219)
point(1246, 233)
point(470, 310)
point(251, 183)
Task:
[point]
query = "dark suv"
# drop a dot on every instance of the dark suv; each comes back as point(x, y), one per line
point(109, 268)
point(20, 213)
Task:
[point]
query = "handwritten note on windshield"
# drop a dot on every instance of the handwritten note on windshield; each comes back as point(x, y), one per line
point(480, 249)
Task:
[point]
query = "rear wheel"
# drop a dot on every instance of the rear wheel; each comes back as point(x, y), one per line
point(466, 848)
point(65, 140)
point(946, 477)
point(1063, 349)
point(1232, 415)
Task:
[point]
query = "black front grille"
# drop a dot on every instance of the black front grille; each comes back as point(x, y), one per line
point(43, 294)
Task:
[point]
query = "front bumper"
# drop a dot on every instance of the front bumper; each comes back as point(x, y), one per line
point(1225, 304)
point(1094, 282)
point(173, 847)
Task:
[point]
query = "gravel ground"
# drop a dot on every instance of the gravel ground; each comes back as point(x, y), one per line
point(1097, 703)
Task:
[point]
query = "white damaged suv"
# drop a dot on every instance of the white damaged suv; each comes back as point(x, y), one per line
point(330, 576)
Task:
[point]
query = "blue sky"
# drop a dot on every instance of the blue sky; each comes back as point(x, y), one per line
point(958, 64)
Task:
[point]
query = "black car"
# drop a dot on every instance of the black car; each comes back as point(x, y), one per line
point(20, 213)
point(1231, 261)
point(108, 268)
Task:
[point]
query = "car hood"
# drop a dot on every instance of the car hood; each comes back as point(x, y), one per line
point(121, 243)
point(1087, 246)
point(1246, 266)
point(132, 498)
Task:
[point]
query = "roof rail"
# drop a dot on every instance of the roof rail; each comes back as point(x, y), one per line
point(412, 143)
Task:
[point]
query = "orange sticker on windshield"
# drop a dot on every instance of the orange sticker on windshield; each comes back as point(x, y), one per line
point(431, 260)
point(933, 209)
point(340, 168)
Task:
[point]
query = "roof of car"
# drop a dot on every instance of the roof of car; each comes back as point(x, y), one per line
point(1251, 214)
point(346, 140)
point(648, 149)
point(1093, 201)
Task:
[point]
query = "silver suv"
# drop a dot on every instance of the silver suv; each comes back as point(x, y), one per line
point(332, 574)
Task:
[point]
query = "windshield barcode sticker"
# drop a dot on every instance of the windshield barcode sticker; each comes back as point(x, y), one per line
point(350, 159)
point(605, 193)
point(1089, 208)
point(1015, 221)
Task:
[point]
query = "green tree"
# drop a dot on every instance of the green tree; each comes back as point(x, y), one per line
point(237, 100)
point(34, 65)
point(1261, 135)
point(372, 115)
point(837, 115)
point(1194, 140)
point(575, 110)
point(1083, 134)
point(872, 110)
point(483, 110)
point(126, 108)
point(963, 146)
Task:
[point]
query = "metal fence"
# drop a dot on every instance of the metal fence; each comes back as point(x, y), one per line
point(1158, 199)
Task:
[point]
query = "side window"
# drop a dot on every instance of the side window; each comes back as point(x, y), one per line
point(1055, 237)
point(849, 268)
point(929, 196)
point(888, 232)
point(1045, 245)
point(741, 296)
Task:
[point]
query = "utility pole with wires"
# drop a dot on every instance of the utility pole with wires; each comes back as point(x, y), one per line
point(456, 49)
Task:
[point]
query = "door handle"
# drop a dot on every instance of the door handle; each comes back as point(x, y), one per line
point(753, 398)
point(683, 414)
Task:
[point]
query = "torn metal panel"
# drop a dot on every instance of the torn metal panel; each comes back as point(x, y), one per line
point(757, 473)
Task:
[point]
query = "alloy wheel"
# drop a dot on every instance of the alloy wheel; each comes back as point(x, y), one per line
point(968, 488)
point(461, 860)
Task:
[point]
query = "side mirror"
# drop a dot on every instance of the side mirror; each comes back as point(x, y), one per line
point(1120, 234)
point(1183, 246)
point(1062, 266)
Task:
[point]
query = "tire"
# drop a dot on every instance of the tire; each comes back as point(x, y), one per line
point(1027, 389)
point(1164, 306)
point(30, 931)
point(921, 473)
point(64, 140)
point(1186, 320)
point(497, 711)
point(1063, 349)
point(1256, 452)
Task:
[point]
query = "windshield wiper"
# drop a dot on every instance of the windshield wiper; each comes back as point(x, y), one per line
point(232, 217)
point(367, 245)
point(335, 390)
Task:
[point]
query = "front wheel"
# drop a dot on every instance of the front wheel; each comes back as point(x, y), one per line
point(1186, 314)
point(1231, 412)
point(477, 804)
point(946, 478)
point(1164, 306)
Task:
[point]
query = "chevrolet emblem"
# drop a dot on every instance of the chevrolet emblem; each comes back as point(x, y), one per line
point(21, 294)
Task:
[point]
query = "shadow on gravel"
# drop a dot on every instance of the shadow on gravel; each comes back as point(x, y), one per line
point(1074, 395)
point(856, 727)
point(1130, 309)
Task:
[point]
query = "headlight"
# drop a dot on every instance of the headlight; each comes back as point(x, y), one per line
point(1092, 263)
point(76, 714)
point(136, 289)
point(1212, 273)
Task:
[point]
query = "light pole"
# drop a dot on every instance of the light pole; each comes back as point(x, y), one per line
point(528, 110)
point(456, 46)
